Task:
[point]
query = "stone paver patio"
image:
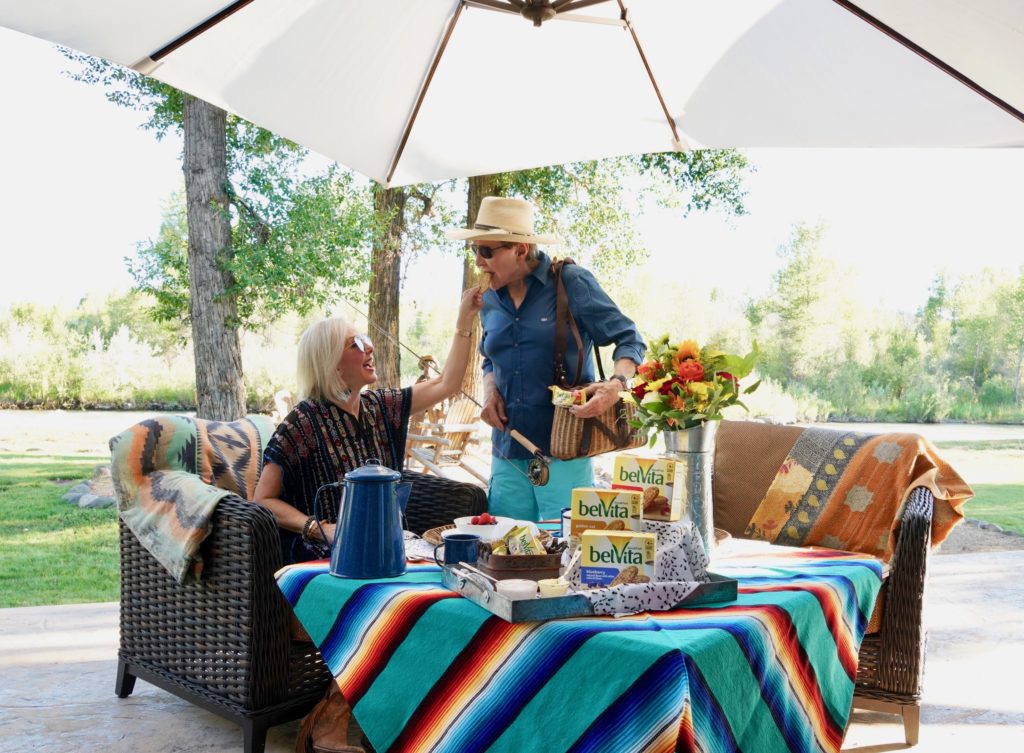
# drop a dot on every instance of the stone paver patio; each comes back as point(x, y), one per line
point(58, 665)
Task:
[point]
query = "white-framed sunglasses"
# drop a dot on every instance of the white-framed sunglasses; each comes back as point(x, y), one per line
point(361, 343)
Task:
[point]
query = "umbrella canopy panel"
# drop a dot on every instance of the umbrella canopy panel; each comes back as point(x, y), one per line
point(345, 77)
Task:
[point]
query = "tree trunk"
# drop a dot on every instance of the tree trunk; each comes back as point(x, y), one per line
point(385, 279)
point(479, 187)
point(220, 389)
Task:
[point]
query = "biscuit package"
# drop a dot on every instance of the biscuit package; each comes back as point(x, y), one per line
point(604, 509)
point(612, 558)
point(659, 480)
point(567, 398)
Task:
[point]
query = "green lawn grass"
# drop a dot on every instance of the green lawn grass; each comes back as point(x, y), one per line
point(1002, 504)
point(54, 553)
point(50, 551)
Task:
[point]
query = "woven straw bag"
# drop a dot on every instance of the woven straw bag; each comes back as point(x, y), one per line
point(571, 436)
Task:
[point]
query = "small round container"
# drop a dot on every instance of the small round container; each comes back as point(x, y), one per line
point(566, 522)
point(553, 587)
point(517, 588)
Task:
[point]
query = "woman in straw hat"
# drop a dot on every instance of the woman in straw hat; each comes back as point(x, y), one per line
point(518, 320)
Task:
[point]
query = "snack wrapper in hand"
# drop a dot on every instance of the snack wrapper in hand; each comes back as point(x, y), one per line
point(567, 398)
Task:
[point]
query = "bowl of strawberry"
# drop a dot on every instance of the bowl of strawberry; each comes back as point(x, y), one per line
point(485, 525)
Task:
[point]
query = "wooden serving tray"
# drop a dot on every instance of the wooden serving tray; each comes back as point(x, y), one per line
point(529, 566)
point(719, 588)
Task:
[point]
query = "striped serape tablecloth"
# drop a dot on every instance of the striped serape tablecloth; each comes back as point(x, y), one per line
point(427, 670)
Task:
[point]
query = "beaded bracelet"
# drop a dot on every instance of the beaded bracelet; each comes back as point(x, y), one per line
point(316, 548)
point(307, 529)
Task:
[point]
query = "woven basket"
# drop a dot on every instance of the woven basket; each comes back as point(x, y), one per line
point(435, 536)
point(574, 437)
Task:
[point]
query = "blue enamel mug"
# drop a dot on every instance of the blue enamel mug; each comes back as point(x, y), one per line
point(458, 547)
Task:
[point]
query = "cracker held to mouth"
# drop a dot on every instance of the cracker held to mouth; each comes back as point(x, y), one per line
point(485, 282)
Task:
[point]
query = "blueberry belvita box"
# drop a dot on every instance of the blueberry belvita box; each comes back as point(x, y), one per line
point(604, 509)
point(612, 558)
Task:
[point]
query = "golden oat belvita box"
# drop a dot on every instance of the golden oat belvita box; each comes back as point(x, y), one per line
point(604, 509)
point(658, 480)
point(612, 558)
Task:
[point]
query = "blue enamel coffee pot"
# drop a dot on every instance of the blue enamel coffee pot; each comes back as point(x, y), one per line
point(368, 541)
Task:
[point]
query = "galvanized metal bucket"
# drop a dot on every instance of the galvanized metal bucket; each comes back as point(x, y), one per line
point(694, 451)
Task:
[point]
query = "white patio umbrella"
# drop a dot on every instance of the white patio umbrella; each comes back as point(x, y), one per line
point(422, 90)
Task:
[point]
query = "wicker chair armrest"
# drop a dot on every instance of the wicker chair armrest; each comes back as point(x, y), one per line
point(229, 632)
point(902, 630)
point(436, 501)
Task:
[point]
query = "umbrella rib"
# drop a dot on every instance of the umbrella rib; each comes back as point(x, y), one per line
point(934, 60)
point(566, 6)
point(505, 6)
point(650, 74)
point(423, 92)
point(201, 28)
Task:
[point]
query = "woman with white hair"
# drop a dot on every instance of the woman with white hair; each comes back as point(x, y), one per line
point(338, 425)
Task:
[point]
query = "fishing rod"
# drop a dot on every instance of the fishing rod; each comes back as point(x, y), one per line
point(537, 472)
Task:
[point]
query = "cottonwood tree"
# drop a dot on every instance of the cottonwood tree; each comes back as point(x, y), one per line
point(797, 321)
point(261, 240)
point(1011, 299)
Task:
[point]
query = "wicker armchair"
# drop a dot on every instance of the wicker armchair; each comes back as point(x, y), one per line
point(891, 663)
point(225, 643)
point(890, 673)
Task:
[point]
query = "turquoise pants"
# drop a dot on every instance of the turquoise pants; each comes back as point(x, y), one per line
point(513, 496)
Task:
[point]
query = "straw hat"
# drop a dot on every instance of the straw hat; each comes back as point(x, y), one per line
point(503, 220)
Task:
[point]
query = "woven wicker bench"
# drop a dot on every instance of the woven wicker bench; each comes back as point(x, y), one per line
point(891, 663)
point(225, 643)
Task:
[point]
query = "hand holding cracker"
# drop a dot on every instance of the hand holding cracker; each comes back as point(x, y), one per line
point(485, 282)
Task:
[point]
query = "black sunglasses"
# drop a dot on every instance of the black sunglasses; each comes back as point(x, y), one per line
point(486, 251)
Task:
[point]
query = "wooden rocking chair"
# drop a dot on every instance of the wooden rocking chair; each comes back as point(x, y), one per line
point(445, 444)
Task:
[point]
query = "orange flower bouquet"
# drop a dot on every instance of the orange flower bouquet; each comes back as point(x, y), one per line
point(682, 386)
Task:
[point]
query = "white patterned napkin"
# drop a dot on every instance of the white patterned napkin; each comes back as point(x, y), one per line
point(680, 566)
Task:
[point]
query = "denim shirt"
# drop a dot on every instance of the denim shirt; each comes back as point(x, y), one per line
point(518, 348)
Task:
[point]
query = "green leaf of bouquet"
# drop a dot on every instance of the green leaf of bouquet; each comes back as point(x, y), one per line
point(752, 387)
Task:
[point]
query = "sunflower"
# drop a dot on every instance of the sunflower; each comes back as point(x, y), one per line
point(687, 349)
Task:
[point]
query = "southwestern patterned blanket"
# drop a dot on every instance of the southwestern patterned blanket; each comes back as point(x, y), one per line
point(846, 490)
point(169, 473)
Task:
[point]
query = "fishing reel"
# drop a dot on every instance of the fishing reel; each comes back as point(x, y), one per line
point(537, 471)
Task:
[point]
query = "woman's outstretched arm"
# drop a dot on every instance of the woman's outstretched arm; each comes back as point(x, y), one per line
point(433, 391)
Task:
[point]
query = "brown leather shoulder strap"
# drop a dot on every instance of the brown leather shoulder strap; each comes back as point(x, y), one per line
point(564, 322)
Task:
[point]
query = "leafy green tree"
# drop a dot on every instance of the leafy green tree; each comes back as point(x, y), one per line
point(590, 204)
point(1011, 307)
point(975, 330)
point(795, 322)
point(899, 363)
point(262, 239)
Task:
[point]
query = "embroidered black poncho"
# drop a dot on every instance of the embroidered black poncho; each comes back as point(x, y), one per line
point(318, 442)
